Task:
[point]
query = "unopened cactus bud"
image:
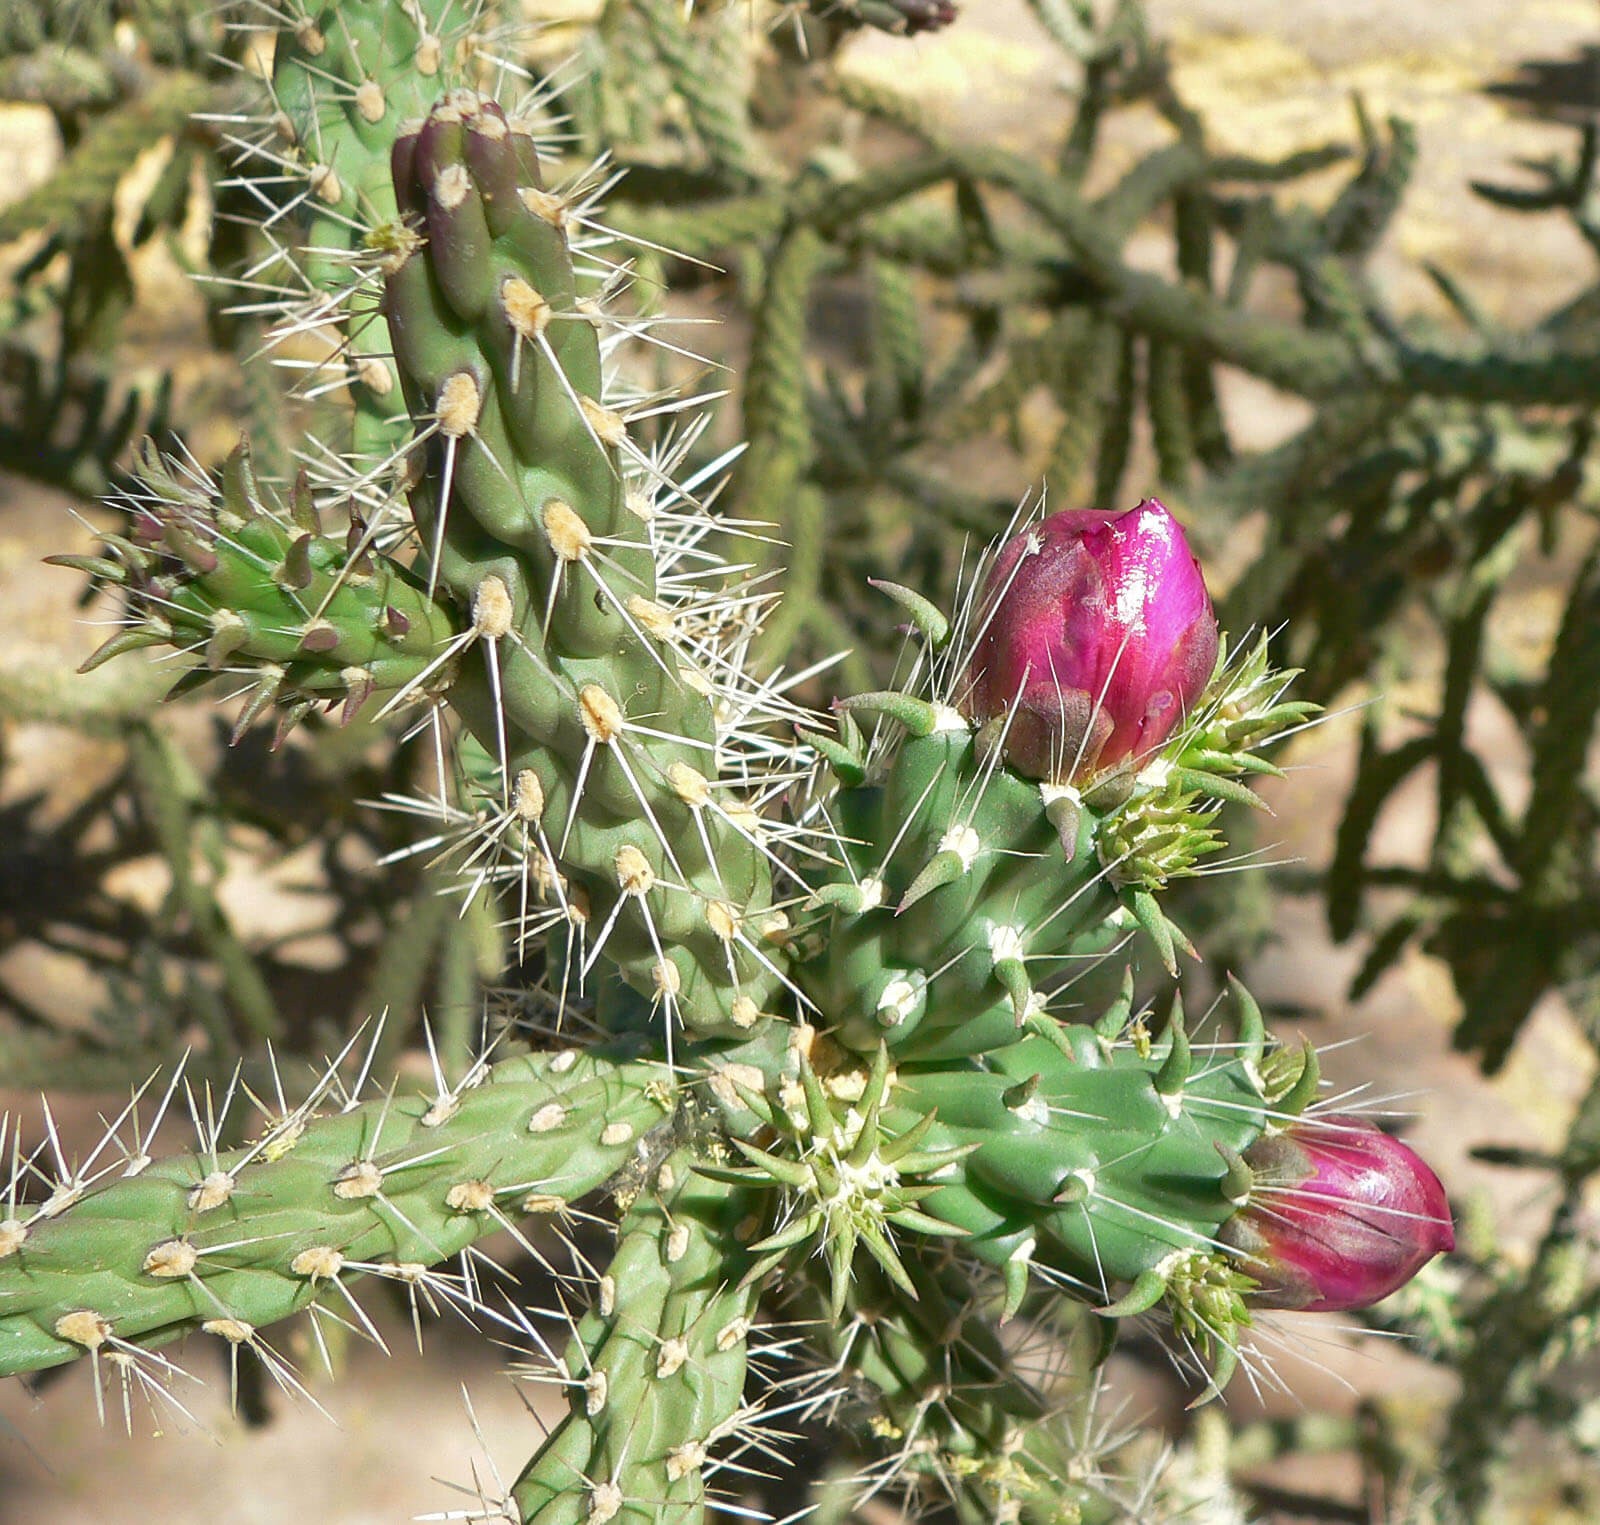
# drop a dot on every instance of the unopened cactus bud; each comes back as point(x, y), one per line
point(1096, 637)
point(1339, 1216)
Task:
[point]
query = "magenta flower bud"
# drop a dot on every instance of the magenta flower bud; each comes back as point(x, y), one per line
point(1339, 1215)
point(1097, 630)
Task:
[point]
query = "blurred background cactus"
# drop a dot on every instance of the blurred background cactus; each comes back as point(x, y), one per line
point(1380, 454)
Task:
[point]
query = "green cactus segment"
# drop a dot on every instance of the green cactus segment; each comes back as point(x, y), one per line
point(263, 594)
point(946, 1400)
point(656, 1373)
point(583, 685)
point(968, 894)
point(1095, 1161)
point(1098, 1160)
point(231, 1241)
point(345, 76)
point(938, 948)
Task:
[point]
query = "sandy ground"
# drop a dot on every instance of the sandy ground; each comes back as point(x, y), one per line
point(1266, 77)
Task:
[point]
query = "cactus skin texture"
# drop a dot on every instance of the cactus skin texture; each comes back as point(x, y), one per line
point(1008, 892)
point(228, 1241)
point(848, 1098)
point(657, 1368)
point(519, 495)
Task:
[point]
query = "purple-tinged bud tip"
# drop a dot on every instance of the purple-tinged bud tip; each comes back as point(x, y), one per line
point(1339, 1216)
point(1097, 631)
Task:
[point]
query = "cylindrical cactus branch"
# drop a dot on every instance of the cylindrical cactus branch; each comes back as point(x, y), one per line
point(656, 1373)
point(586, 683)
point(345, 76)
point(126, 1253)
point(261, 592)
point(942, 1403)
point(903, 18)
point(1123, 1173)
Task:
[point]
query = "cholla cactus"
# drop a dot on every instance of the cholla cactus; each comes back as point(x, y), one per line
point(832, 1071)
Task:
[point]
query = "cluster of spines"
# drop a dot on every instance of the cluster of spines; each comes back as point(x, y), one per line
point(848, 1183)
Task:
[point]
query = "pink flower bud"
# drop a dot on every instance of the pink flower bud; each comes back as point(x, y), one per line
point(1097, 628)
point(1339, 1216)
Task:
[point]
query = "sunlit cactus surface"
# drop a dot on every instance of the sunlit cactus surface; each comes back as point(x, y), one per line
point(822, 1007)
